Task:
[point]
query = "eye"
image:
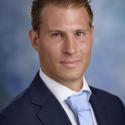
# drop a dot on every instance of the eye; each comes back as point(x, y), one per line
point(56, 34)
point(80, 33)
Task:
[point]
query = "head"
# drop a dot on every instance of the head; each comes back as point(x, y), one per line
point(62, 35)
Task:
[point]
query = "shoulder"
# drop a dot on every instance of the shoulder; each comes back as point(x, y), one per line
point(23, 101)
point(17, 103)
point(17, 110)
point(101, 92)
point(108, 104)
point(106, 98)
point(104, 95)
point(22, 110)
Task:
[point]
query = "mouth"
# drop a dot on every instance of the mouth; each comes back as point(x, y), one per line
point(70, 63)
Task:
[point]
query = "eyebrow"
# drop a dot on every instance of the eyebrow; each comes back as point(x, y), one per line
point(77, 30)
point(54, 30)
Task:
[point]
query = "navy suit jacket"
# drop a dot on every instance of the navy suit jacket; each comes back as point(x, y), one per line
point(38, 106)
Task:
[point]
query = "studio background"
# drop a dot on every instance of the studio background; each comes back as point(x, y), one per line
point(19, 62)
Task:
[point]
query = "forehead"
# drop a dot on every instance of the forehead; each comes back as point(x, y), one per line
point(56, 15)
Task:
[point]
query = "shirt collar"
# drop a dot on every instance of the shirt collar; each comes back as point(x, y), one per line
point(60, 91)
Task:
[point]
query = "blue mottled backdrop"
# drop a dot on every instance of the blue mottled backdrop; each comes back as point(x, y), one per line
point(19, 62)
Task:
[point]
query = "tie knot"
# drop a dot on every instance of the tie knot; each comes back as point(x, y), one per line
point(78, 103)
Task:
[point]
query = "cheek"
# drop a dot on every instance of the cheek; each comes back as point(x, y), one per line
point(49, 52)
point(85, 48)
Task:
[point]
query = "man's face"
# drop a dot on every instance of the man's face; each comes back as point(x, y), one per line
point(64, 43)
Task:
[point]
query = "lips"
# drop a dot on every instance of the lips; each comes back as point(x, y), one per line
point(70, 63)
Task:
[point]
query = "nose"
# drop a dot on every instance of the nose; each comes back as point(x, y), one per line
point(70, 46)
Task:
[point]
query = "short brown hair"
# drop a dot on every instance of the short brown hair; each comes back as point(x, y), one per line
point(38, 5)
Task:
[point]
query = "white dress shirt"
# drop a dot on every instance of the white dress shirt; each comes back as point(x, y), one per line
point(61, 93)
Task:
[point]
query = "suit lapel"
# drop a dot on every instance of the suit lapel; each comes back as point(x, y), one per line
point(100, 109)
point(51, 111)
point(53, 114)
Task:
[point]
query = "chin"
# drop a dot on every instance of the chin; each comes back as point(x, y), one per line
point(72, 76)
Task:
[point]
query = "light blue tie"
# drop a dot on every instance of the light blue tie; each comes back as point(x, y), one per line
point(80, 106)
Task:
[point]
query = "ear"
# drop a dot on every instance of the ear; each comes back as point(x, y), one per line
point(92, 32)
point(34, 38)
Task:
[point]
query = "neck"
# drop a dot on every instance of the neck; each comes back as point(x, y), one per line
point(75, 85)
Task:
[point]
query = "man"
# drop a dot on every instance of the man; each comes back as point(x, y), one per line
point(62, 35)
